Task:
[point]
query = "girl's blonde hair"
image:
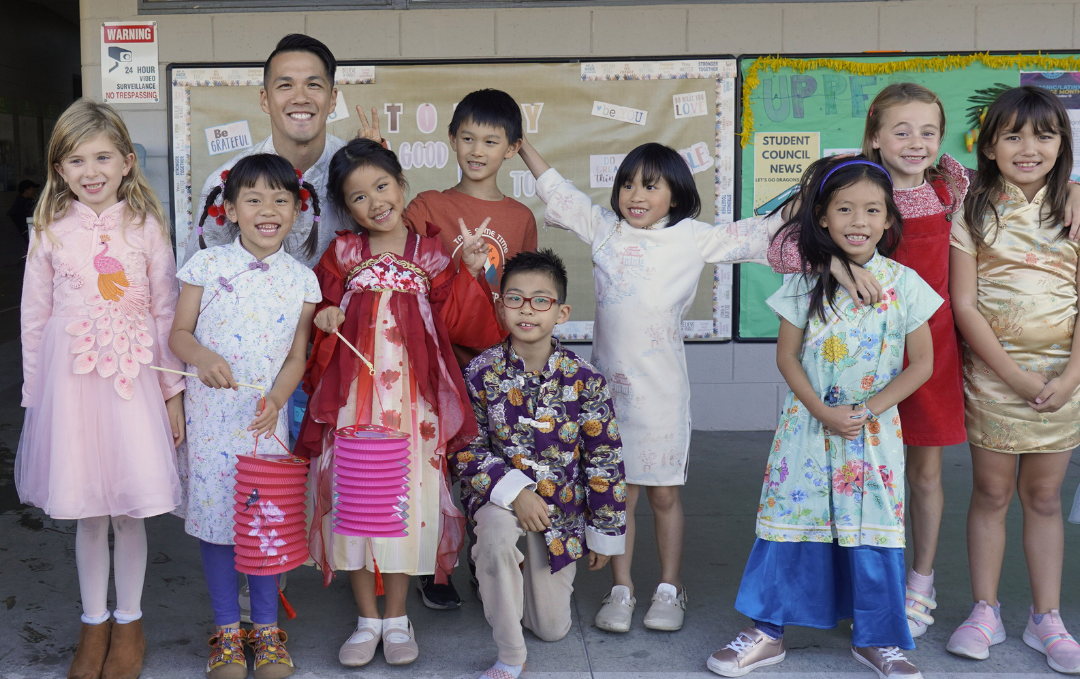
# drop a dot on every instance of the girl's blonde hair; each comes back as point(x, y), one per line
point(81, 122)
point(898, 94)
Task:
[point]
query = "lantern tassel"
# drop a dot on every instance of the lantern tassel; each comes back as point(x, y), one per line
point(290, 612)
point(379, 591)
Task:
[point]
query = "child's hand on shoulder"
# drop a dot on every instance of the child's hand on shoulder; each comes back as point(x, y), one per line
point(1054, 395)
point(531, 511)
point(266, 421)
point(474, 250)
point(329, 319)
point(844, 421)
point(214, 372)
point(598, 561)
point(863, 287)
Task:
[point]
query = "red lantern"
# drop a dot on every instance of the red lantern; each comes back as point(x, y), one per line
point(271, 526)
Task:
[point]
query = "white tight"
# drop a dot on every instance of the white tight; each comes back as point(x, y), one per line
point(129, 561)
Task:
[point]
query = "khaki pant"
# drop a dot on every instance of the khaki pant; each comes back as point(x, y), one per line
point(514, 596)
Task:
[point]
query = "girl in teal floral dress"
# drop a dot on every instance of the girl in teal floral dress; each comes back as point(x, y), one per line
point(830, 523)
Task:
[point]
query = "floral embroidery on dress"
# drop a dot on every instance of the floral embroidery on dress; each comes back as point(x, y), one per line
point(388, 273)
point(115, 339)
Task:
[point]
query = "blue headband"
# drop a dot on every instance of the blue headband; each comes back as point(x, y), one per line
point(852, 162)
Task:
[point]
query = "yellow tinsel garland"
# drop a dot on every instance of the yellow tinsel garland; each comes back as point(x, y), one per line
point(951, 62)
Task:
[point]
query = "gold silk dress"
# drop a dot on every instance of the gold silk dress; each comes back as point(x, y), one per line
point(1027, 292)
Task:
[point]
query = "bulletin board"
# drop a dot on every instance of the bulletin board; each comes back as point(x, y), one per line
point(581, 116)
point(796, 109)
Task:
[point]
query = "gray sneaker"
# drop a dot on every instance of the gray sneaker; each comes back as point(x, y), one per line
point(887, 661)
point(617, 610)
point(750, 650)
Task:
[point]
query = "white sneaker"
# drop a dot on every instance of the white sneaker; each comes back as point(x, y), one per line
point(618, 610)
point(667, 610)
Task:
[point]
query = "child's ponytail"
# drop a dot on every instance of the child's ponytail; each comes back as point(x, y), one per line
point(307, 192)
point(211, 206)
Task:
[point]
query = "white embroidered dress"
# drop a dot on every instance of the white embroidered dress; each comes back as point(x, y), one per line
point(248, 316)
point(645, 281)
point(97, 308)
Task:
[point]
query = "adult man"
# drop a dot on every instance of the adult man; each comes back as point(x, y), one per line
point(298, 94)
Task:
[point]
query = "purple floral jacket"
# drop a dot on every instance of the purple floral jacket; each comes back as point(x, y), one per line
point(553, 431)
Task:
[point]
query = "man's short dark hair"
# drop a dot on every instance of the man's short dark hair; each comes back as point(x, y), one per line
point(298, 42)
point(543, 261)
point(489, 107)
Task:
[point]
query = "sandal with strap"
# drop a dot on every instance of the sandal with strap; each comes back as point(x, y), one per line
point(227, 660)
point(918, 606)
point(272, 661)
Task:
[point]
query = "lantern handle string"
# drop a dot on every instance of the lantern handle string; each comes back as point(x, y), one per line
point(255, 453)
point(371, 367)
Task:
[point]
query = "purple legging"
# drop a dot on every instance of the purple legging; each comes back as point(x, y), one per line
point(219, 568)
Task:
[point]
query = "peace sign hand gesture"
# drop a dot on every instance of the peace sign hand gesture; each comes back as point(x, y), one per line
point(473, 248)
point(366, 131)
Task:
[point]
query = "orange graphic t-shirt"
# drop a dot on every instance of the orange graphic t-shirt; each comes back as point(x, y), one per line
point(512, 228)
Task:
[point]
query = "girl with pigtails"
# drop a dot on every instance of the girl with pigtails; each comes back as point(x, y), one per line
point(244, 316)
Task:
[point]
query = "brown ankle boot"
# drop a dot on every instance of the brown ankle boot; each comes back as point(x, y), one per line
point(126, 652)
point(90, 656)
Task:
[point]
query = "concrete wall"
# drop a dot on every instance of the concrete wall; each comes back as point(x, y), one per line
point(735, 386)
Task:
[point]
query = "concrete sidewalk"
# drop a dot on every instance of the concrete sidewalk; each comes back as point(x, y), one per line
point(39, 593)
point(39, 615)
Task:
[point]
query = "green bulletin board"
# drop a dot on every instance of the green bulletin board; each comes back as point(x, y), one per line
point(829, 96)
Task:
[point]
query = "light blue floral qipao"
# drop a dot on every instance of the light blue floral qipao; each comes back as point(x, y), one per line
point(820, 487)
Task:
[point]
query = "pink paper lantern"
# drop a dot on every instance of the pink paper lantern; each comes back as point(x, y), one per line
point(270, 525)
point(371, 476)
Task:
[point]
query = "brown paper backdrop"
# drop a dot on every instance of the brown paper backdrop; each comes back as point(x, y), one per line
point(566, 136)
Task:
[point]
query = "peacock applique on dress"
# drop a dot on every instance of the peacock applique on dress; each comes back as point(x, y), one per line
point(115, 339)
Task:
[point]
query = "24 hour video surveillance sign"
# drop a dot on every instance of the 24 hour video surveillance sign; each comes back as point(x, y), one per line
point(129, 62)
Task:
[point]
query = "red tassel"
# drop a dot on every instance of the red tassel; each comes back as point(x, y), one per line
point(379, 591)
point(290, 613)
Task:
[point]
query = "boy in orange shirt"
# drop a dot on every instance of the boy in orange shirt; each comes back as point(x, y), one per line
point(484, 132)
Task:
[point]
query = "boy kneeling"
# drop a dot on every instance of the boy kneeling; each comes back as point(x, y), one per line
point(546, 466)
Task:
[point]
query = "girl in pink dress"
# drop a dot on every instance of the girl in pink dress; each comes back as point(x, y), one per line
point(98, 441)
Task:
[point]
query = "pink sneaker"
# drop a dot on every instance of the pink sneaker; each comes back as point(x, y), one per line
point(1050, 638)
point(974, 637)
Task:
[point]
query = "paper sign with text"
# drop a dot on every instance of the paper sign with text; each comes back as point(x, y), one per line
point(698, 157)
point(690, 104)
point(228, 137)
point(625, 114)
point(341, 109)
point(602, 169)
point(780, 158)
point(129, 62)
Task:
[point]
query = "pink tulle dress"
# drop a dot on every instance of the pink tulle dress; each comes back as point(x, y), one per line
point(97, 309)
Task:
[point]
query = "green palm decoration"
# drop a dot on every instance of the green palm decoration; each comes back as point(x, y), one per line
point(980, 101)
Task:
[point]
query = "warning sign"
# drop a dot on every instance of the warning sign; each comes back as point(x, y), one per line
point(129, 62)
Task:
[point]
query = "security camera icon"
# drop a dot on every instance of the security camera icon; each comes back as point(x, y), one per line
point(118, 54)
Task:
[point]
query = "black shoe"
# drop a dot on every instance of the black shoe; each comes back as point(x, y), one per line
point(438, 597)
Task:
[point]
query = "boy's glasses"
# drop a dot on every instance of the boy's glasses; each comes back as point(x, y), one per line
point(537, 303)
